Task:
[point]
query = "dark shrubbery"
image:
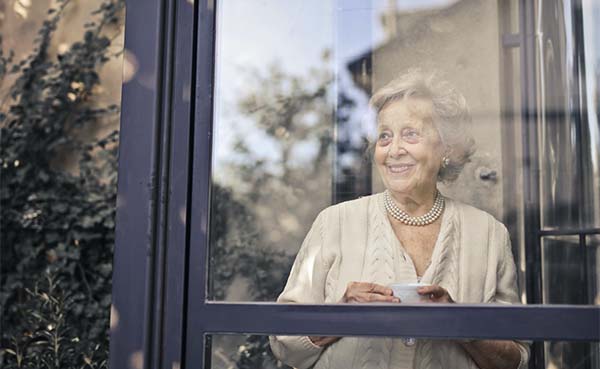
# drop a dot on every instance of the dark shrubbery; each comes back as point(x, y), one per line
point(236, 253)
point(57, 228)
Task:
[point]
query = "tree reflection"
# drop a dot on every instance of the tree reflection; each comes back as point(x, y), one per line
point(267, 182)
point(282, 167)
point(234, 251)
point(267, 193)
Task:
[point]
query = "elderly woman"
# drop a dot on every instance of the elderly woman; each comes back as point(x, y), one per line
point(409, 233)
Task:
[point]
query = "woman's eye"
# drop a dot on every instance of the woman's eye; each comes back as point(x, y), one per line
point(411, 135)
point(384, 136)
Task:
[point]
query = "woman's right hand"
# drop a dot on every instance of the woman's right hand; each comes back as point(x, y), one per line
point(361, 292)
point(323, 341)
point(358, 292)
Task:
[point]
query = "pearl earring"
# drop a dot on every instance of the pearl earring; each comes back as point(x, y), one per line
point(445, 162)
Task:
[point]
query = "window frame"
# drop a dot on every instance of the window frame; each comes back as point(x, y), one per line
point(161, 255)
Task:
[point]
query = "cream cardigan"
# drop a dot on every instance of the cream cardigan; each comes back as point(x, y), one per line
point(354, 241)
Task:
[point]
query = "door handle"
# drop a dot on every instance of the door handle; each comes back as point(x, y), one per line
point(487, 174)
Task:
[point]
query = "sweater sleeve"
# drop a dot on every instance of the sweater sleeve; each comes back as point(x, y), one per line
point(306, 284)
point(506, 277)
point(507, 291)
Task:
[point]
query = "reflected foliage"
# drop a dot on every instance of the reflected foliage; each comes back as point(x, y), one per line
point(260, 211)
point(235, 251)
point(235, 254)
point(57, 227)
point(291, 111)
point(280, 157)
point(353, 154)
point(256, 353)
point(270, 188)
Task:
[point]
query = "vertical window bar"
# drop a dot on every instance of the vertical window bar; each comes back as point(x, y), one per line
point(136, 214)
point(178, 186)
point(527, 29)
point(199, 208)
point(581, 121)
point(155, 351)
point(585, 275)
point(530, 150)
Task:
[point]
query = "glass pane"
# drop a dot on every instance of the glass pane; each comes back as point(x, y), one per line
point(302, 90)
point(254, 352)
point(569, 131)
point(591, 130)
point(561, 175)
point(272, 165)
point(565, 354)
point(593, 255)
point(570, 270)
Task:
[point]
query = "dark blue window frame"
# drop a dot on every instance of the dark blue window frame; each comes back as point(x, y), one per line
point(160, 265)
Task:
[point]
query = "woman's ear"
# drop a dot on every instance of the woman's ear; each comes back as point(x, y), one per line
point(445, 157)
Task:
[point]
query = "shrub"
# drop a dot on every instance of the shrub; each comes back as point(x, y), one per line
point(57, 228)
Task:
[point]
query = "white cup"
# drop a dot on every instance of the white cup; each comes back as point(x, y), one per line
point(407, 292)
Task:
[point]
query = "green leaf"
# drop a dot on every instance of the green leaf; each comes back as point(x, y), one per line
point(9, 351)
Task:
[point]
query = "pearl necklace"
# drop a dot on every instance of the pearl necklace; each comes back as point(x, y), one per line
point(423, 220)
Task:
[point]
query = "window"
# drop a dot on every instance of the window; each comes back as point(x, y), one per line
point(280, 128)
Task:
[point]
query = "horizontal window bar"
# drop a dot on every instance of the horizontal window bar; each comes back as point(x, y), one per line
point(569, 232)
point(526, 322)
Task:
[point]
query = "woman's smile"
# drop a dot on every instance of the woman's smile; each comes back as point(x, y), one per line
point(399, 168)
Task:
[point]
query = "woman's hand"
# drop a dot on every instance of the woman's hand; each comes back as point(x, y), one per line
point(323, 341)
point(435, 293)
point(360, 292)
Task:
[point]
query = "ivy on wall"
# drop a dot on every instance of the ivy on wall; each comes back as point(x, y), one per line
point(56, 227)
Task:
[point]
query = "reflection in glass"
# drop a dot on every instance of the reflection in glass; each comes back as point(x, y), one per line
point(591, 130)
point(569, 160)
point(560, 118)
point(253, 352)
point(242, 351)
point(568, 272)
point(272, 143)
point(292, 133)
point(572, 355)
point(593, 258)
point(292, 123)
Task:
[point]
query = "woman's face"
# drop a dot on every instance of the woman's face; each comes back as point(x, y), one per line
point(409, 150)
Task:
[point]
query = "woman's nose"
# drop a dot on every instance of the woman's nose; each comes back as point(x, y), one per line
point(397, 147)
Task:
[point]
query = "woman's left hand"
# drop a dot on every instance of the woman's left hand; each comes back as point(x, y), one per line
point(435, 293)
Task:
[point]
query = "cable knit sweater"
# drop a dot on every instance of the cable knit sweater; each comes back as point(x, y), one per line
point(354, 241)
